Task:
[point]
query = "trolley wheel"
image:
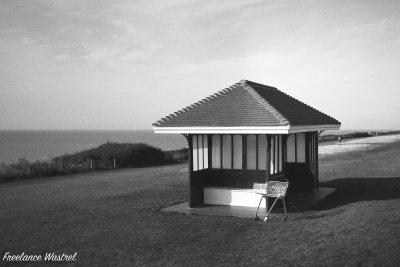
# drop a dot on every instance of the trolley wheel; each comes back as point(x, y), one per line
point(285, 219)
point(256, 218)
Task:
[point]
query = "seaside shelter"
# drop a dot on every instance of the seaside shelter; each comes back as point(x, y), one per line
point(244, 134)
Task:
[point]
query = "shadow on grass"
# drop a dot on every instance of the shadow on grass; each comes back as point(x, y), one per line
point(350, 190)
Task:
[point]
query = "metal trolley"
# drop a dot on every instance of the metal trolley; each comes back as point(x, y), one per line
point(271, 189)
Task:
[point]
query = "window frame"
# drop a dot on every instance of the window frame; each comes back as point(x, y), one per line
point(278, 143)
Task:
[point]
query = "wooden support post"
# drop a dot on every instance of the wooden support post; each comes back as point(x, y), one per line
point(190, 170)
point(316, 157)
point(307, 137)
point(190, 143)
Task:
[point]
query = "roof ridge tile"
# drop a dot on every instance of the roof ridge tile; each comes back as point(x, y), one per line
point(264, 103)
point(273, 111)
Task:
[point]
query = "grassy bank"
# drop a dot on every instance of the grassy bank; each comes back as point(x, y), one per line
point(334, 137)
point(104, 157)
point(114, 218)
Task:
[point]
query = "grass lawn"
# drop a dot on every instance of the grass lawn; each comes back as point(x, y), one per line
point(113, 218)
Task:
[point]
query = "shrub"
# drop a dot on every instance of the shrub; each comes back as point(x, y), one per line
point(177, 155)
point(19, 169)
point(141, 155)
point(98, 158)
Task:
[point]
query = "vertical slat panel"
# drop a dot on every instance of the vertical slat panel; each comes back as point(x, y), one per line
point(251, 152)
point(244, 152)
point(267, 171)
point(290, 148)
point(195, 154)
point(272, 160)
point(301, 151)
point(226, 152)
point(307, 147)
point(216, 152)
point(295, 147)
point(276, 163)
point(313, 143)
point(205, 151)
point(314, 146)
point(237, 152)
point(280, 153)
point(262, 152)
point(200, 149)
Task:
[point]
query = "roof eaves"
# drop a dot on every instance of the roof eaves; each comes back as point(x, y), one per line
point(277, 115)
point(338, 122)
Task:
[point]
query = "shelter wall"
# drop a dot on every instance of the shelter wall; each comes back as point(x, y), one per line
point(301, 168)
point(239, 161)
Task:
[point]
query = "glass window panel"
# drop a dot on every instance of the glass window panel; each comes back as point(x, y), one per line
point(251, 152)
point(315, 139)
point(226, 152)
point(205, 151)
point(290, 148)
point(313, 147)
point(200, 149)
point(301, 147)
point(276, 163)
point(309, 144)
point(280, 153)
point(262, 152)
point(216, 151)
point(237, 152)
point(195, 158)
point(272, 156)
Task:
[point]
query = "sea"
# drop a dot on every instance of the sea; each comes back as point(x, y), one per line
point(43, 145)
point(46, 144)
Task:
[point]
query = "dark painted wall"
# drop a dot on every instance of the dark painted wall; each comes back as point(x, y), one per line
point(236, 178)
point(301, 178)
point(196, 188)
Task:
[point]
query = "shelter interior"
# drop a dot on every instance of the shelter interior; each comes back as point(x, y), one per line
point(240, 160)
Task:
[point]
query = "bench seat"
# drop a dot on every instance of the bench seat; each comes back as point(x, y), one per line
point(232, 197)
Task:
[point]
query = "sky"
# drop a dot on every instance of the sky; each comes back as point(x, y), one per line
point(125, 64)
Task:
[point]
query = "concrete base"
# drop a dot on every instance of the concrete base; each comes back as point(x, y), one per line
point(300, 202)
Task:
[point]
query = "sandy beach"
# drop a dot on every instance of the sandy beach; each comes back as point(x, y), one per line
point(359, 144)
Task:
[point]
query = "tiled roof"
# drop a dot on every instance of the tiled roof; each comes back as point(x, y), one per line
point(247, 103)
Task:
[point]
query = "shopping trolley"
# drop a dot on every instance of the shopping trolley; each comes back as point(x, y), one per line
point(271, 189)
